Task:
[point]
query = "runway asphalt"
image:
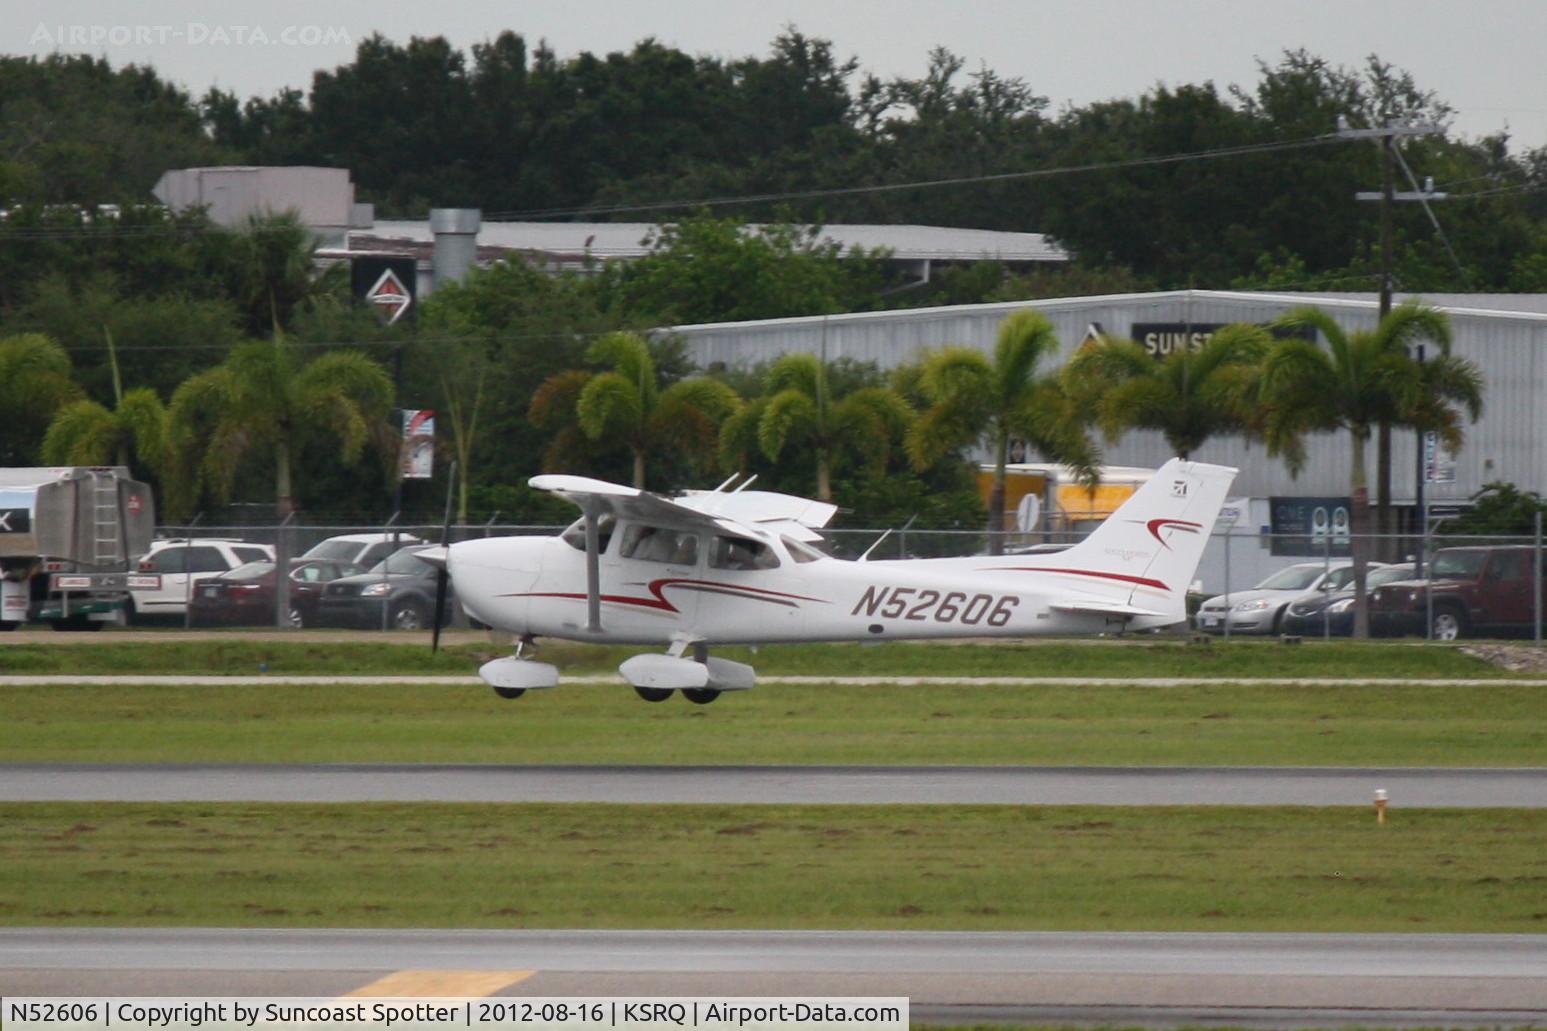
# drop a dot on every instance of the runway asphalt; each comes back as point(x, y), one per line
point(828, 785)
point(1167, 979)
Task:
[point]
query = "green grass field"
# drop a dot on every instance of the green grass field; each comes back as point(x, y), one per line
point(960, 867)
point(1213, 724)
point(166, 653)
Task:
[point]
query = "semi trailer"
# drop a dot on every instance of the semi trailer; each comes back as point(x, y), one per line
point(69, 541)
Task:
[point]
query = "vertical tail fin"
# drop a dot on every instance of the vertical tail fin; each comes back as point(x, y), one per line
point(1146, 553)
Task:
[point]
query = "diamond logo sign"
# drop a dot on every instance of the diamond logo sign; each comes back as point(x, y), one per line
point(390, 297)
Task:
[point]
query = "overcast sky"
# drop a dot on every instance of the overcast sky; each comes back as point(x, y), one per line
point(1487, 58)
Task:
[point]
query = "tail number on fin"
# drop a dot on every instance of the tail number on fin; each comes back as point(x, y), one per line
point(922, 604)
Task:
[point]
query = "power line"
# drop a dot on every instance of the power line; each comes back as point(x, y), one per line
point(107, 231)
point(483, 338)
point(850, 191)
point(116, 230)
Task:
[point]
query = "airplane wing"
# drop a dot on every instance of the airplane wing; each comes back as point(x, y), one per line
point(757, 507)
point(598, 497)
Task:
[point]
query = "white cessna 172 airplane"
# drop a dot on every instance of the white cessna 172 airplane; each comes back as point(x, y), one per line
point(729, 567)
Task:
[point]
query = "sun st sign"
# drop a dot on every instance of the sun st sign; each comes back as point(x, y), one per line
point(418, 459)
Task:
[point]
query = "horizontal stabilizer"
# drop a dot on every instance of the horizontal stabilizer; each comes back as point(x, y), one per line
point(1101, 608)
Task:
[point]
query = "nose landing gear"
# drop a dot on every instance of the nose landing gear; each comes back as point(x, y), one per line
point(515, 675)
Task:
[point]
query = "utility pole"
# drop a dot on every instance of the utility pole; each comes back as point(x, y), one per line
point(1386, 137)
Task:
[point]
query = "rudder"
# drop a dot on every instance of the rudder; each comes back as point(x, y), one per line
point(1147, 551)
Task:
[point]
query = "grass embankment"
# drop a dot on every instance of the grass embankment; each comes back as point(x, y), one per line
point(967, 867)
point(165, 653)
point(1213, 724)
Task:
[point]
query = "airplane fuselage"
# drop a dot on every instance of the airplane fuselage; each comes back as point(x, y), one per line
point(537, 586)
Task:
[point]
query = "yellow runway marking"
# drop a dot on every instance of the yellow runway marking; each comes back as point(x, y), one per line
point(405, 984)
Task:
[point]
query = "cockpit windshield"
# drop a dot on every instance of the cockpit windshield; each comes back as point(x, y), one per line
point(575, 535)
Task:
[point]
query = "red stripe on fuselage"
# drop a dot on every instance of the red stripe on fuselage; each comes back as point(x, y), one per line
point(657, 600)
point(1142, 581)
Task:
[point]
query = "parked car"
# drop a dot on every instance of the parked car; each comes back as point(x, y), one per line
point(1259, 610)
point(361, 549)
point(171, 570)
point(1481, 590)
point(245, 596)
point(399, 593)
point(1332, 613)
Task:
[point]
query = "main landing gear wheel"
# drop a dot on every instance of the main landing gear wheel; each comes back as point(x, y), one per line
point(700, 695)
point(653, 694)
point(511, 693)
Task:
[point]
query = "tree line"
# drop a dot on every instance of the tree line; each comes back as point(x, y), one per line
point(523, 131)
point(531, 372)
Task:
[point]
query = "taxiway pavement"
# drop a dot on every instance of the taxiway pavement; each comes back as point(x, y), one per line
point(956, 977)
point(824, 785)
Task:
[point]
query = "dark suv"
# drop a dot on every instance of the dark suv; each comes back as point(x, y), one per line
point(1483, 590)
point(398, 594)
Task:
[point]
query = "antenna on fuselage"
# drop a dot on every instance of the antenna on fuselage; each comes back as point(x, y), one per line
point(744, 484)
point(884, 536)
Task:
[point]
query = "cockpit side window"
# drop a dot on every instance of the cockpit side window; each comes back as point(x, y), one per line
point(741, 553)
point(657, 544)
point(575, 535)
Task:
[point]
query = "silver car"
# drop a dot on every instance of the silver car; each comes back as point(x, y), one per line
point(1260, 609)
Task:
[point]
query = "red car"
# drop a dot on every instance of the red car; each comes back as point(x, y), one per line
point(245, 595)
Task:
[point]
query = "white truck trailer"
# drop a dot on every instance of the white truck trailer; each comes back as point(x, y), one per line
point(69, 539)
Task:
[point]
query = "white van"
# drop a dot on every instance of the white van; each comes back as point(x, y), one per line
point(171, 568)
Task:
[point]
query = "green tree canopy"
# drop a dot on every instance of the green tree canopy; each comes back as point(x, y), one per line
point(1499, 508)
point(35, 382)
point(974, 398)
point(801, 409)
point(267, 398)
point(719, 270)
point(1187, 395)
point(87, 433)
point(625, 406)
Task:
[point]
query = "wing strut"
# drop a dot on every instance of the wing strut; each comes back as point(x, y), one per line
point(593, 569)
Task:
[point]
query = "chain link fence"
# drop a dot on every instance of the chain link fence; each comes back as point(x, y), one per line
point(1247, 583)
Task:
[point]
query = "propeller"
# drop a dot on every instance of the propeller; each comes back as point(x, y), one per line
point(442, 572)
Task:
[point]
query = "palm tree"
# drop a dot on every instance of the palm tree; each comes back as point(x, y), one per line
point(85, 432)
point(1189, 396)
point(624, 405)
point(1359, 380)
point(798, 408)
point(271, 270)
point(35, 381)
point(264, 396)
point(975, 398)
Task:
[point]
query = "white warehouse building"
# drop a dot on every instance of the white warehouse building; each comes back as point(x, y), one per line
point(1505, 335)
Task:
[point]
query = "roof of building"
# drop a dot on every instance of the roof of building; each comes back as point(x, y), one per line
point(1528, 307)
point(603, 240)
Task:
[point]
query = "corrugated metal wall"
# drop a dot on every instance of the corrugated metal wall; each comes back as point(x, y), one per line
point(1504, 445)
